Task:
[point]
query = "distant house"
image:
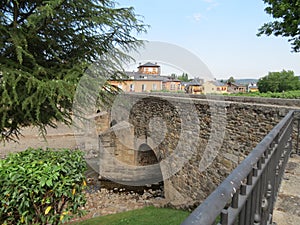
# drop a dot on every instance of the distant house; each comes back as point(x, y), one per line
point(149, 68)
point(171, 84)
point(137, 82)
point(195, 86)
point(214, 86)
point(252, 87)
point(147, 79)
point(236, 88)
point(184, 85)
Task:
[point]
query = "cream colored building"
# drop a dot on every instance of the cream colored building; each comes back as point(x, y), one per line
point(214, 87)
point(146, 85)
point(147, 79)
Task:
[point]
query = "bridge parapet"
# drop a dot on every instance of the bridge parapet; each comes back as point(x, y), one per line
point(248, 194)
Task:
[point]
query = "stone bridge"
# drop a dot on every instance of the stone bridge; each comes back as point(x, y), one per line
point(190, 142)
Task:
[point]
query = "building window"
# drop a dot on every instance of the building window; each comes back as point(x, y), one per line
point(154, 87)
point(172, 88)
point(143, 87)
point(131, 87)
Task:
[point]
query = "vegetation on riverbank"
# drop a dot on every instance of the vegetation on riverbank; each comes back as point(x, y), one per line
point(286, 94)
point(146, 216)
point(42, 186)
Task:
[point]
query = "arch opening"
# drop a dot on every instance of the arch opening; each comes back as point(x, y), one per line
point(113, 123)
point(146, 156)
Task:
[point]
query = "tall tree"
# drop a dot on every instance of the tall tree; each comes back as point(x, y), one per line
point(286, 14)
point(231, 80)
point(45, 47)
point(278, 82)
point(173, 76)
point(184, 77)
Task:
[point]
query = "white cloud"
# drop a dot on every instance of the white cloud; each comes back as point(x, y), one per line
point(198, 17)
point(211, 4)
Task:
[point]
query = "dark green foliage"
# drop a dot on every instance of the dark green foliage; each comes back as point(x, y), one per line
point(279, 82)
point(41, 186)
point(231, 80)
point(286, 94)
point(286, 23)
point(184, 77)
point(45, 48)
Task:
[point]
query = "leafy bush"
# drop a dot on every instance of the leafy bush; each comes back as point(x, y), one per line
point(286, 94)
point(279, 82)
point(41, 186)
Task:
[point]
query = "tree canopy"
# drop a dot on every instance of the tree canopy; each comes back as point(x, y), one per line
point(184, 77)
point(286, 14)
point(231, 80)
point(279, 82)
point(45, 47)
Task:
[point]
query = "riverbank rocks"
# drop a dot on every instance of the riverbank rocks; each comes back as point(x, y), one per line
point(104, 201)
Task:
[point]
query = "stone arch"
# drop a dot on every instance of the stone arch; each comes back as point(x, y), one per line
point(146, 156)
point(167, 113)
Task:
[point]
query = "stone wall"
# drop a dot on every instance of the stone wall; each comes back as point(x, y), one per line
point(198, 141)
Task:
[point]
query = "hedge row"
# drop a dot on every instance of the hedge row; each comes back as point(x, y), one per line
point(286, 94)
point(41, 186)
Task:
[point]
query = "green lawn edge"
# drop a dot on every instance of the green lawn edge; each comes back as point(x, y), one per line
point(149, 215)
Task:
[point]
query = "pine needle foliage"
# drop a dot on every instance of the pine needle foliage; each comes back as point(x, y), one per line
point(45, 48)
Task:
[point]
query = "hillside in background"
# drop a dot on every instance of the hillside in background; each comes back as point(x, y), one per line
point(246, 81)
point(243, 81)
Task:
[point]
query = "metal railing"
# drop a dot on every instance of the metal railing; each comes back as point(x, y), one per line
point(247, 196)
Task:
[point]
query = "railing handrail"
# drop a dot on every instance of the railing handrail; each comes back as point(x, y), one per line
point(207, 212)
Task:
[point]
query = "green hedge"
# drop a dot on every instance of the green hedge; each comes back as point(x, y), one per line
point(41, 186)
point(286, 94)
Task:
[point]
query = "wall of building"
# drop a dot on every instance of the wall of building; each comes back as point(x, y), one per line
point(198, 142)
point(138, 85)
point(147, 86)
point(172, 86)
point(209, 88)
point(149, 70)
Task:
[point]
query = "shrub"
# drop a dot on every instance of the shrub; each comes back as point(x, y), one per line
point(286, 94)
point(41, 186)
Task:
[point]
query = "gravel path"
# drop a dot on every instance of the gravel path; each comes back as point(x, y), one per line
point(62, 137)
point(287, 208)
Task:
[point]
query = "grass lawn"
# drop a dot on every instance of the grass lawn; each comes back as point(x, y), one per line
point(146, 216)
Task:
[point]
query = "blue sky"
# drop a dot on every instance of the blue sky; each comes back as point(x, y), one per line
point(222, 33)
